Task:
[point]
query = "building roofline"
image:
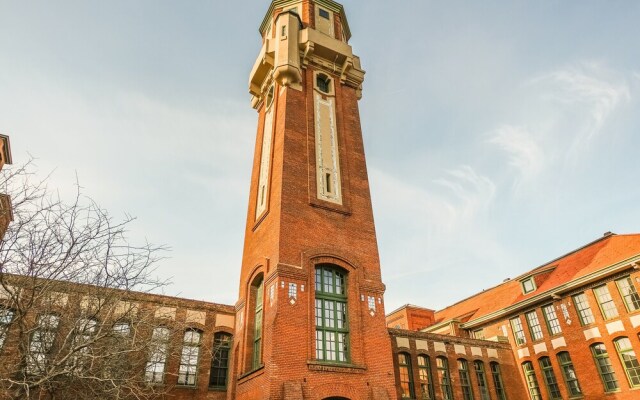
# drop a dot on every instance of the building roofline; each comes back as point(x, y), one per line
point(330, 4)
point(407, 306)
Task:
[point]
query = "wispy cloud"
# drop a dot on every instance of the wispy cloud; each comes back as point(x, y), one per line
point(525, 153)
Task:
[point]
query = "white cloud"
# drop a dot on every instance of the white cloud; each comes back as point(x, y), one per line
point(525, 154)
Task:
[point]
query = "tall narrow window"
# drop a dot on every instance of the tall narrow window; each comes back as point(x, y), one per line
point(603, 363)
point(532, 381)
point(442, 365)
point(323, 82)
point(607, 306)
point(534, 325)
point(158, 346)
point(265, 155)
point(497, 381)
point(6, 316)
point(549, 377)
point(629, 360)
point(332, 328)
point(518, 332)
point(629, 293)
point(188, 371)
point(551, 318)
point(82, 336)
point(256, 360)
point(584, 311)
point(41, 343)
point(569, 374)
point(328, 178)
point(406, 376)
point(426, 380)
point(482, 380)
point(220, 360)
point(465, 380)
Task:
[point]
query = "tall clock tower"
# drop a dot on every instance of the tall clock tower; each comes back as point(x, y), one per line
point(310, 314)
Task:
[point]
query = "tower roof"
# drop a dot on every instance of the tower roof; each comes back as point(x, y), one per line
point(329, 4)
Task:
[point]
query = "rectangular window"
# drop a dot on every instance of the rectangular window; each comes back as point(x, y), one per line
point(532, 381)
point(478, 334)
point(332, 328)
point(465, 380)
point(605, 369)
point(406, 376)
point(188, 371)
point(584, 311)
point(324, 13)
point(550, 316)
point(518, 332)
point(629, 293)
point(497, 381)
point(293, 291)
point(550, 380)
point(6, 316)
point(607, 306)
point(41, 343)
point(426, 380)
point(534, 325)
point(482, 380)
point(528, 285)
point(442, 365)
point(154, 371)
point(371, 302)
point(629, 361)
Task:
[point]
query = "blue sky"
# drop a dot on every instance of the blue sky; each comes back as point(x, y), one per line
point(499, 135)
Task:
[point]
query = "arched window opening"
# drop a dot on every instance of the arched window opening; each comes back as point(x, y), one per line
point(465, 379)
point(497, 381)
point(549, 377)
point(220, 360)
point(569, 374)
point(406, 376)
point(158, 346)
point(482, 380)
point(258, 289)
point(188, 371)
point(629, 360)
point(323, 83)
point(532, 381)
point(605, 369)
point(442, 366)
point(426, 380)
point(332, 324)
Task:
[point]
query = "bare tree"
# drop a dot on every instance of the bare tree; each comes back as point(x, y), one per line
point(72, 322)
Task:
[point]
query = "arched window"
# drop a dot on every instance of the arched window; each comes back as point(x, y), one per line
point(323, 83)
point(188, 371)
point(442, 365)
point(497, 381)
point(569, 374)
point(629, 360)
point(158, 346)
point(482, 380)
point(549, 377)
point(6, 316)
point(41, 343)
point(332, 323)
point(605, 369)
point(406, 376)
point(532, 381)
point(258, 290)
point(426, 380)
point(465, 379)
point(220, 360)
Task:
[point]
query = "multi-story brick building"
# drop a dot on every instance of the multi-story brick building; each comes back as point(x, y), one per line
point(5, 200)
point(309, 323)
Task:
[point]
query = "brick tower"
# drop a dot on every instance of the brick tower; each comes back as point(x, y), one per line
point(310, 315)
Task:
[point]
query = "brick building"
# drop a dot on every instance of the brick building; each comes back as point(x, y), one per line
point(309, 322)
point(5, 200)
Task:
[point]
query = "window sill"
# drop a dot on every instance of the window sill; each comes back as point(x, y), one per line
point(217, 388)
point(188, 387)
point(251, 374)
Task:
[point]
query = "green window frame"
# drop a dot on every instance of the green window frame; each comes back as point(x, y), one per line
point(6, 316)
point(220, 360)
point(604, 367)
point(481, 376)
point(535, 330)
point(256, 355)
point(465, 379)
point(528, 285)
point(518, 332)
point(584, 311)
point(406, 376)
point(549, 377)
point(332, 322)
point(629, 293)
point(551, 319)
point(532, 381)
point(442, 366)
point(497, 380)
point(426, 379)
point(569, 374)
point(629, 360)
point(605, 301)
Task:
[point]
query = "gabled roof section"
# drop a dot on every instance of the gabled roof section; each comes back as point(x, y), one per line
point(575, 266)
point(329, 4)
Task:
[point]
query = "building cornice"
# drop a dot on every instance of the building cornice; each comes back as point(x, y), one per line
point(329, 4)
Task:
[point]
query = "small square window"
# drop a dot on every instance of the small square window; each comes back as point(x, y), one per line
point(324, 14)
point(528, 285)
